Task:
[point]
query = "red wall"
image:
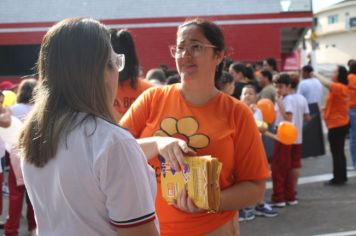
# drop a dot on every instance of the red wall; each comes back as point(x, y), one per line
point(245, 42)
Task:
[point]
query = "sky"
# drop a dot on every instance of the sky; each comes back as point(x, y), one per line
point(320, 4)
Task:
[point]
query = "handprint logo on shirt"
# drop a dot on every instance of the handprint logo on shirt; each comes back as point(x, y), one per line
point(185, 129)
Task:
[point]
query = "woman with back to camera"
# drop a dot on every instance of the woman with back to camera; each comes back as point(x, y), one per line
point(352, 110)
point(212, 123)
point(130, 84)
point(337, 120)
point(84, 174)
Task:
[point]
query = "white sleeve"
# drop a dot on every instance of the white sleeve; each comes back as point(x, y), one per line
point(124, 177)
point(288, 104)
point(258, 115)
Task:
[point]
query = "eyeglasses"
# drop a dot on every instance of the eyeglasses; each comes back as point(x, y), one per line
point(118, 61)
point(194, 49)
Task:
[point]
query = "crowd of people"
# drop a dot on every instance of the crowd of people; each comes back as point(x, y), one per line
point(97, 132)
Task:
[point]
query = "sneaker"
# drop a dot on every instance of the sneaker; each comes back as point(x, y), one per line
point(277, 204)
point(265, 210)
point(248, 209)
point(292, 203)
point(246, 215)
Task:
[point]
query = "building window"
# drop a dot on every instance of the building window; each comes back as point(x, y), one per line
point(333, 19)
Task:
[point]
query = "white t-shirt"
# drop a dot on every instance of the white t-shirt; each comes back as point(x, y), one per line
point(258, 114)
point(98, 179)
point(21, 110)
point(287, 103)
point(300, 108)
point(312, 90)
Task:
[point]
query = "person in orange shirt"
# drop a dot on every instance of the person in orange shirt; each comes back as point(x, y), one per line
point(130, 85)
point(210, 122)
point(337, 120)
point(352, 110)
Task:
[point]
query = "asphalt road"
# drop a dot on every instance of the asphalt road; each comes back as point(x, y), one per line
point(322, 210)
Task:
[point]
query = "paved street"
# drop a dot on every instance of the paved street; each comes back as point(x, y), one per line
point(323, 210)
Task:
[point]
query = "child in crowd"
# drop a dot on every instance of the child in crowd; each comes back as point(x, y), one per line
point(283, 183)
point(249, 97)
point(300, 114)
point(226, 83)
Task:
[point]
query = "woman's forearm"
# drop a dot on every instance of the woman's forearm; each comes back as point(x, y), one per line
point(148, 146)
point(327, 83)
point(242, 195)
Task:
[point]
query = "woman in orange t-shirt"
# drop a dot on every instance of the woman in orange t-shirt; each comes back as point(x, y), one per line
point(337, 120)
point(130, 84)
point(352, 110)
point(211, 123)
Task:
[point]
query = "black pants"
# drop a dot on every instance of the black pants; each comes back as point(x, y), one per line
point(313, 137)
point(337, 138)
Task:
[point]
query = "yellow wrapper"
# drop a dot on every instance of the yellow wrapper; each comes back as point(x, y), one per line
point(201, 180)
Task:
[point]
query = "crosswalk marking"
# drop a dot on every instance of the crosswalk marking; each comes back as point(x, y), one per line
point(315, 179)
point(346, 233)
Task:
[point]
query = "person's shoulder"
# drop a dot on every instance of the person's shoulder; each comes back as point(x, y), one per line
point(102, 129)
point(270, 88)
point(300, 97)
point(226, 98)
point(158, 93)
point(289, 99)
point(351, 77)
point(144, 84)
point(337, 85)
point(17, 106)
point(166, 90)
point(312, 82)
point(303, 82)
point(233, 104)
point(20, 108)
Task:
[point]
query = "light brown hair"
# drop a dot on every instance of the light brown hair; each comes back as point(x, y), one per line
point(71, 64)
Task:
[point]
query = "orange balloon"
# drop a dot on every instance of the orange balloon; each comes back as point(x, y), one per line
point(267, 108)
point(287, 133)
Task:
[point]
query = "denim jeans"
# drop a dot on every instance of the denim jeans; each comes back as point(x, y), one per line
point(352, 113)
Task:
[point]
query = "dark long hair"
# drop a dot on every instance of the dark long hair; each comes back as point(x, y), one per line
point(215, 36)
point(25, 91)
point(342, 75)
point(122, 43)
point(352, 67)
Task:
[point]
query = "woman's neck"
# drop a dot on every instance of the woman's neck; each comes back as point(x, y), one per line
point(198, 95)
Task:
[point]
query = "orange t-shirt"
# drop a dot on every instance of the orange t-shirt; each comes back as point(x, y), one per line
point(223, 127)
point(352, 90)
point(337, 106)
point(126, 95)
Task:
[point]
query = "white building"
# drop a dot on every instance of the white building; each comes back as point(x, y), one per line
point(335, 29)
